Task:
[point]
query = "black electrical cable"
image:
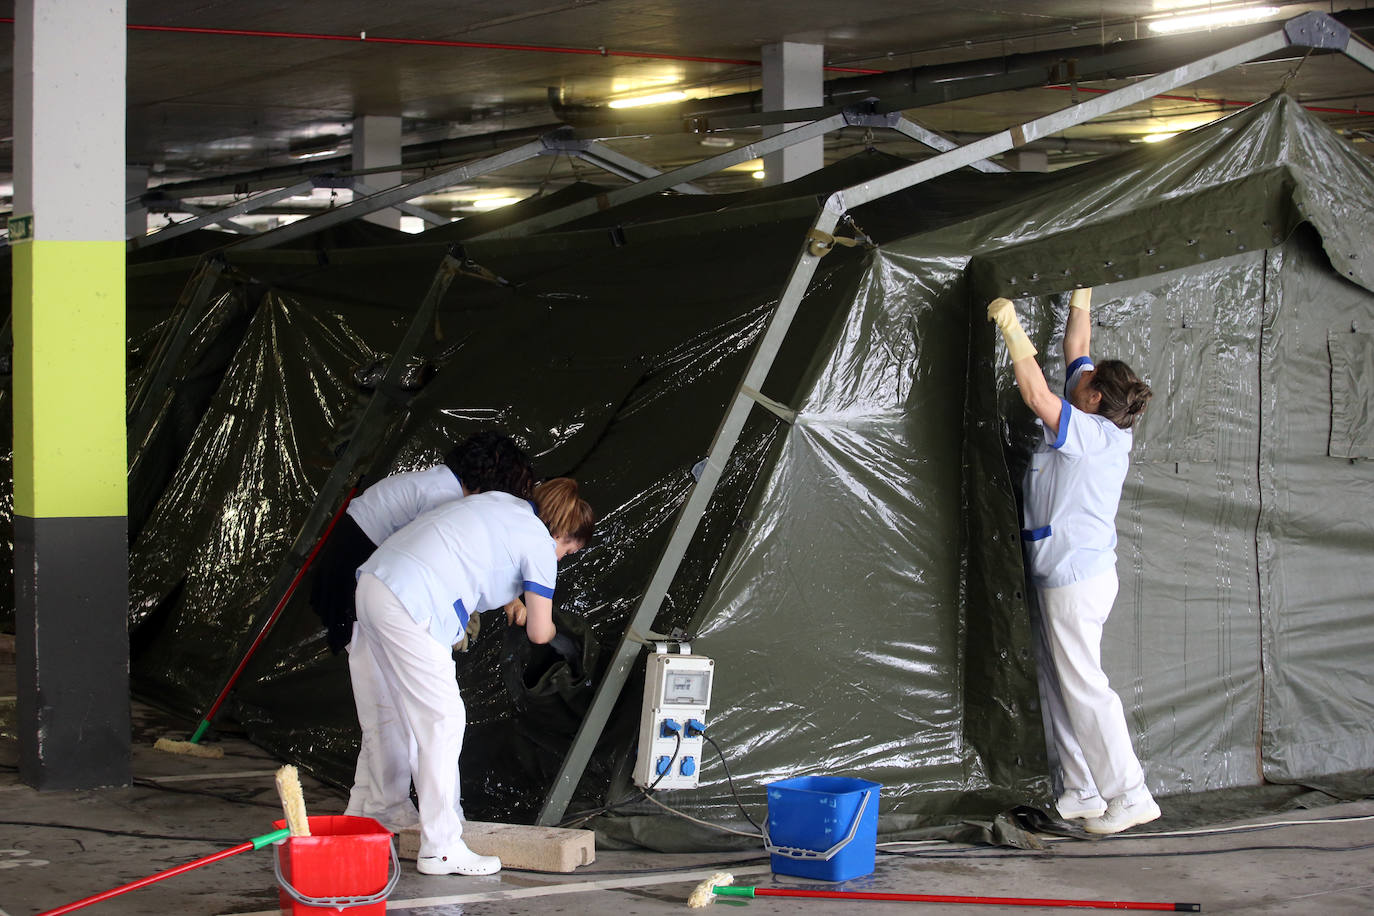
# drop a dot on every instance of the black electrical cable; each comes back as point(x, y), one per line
point(729, 779)
point(210, 793)
point(583, 816)
point(677, 749)
point(1028, 854)
point(131, 833)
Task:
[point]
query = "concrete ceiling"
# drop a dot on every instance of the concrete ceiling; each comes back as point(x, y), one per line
point(238, 89)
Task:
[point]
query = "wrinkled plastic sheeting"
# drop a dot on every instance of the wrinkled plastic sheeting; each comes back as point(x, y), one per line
point(626, 406)
point(840, 626)
point(1315, 532)
point(1242, 183)
point(214, 539)
point(1239, 638)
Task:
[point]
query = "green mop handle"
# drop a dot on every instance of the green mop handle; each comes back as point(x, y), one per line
point(256, 843)
point(734, 891)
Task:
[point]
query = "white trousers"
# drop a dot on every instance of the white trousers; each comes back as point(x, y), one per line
point(1085, 713)
point(405, 689)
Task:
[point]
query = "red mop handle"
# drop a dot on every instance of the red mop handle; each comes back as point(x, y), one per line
point(728, 891)
point(272, 618)
point(255, 843)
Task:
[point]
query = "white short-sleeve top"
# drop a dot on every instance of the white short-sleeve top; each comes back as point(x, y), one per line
point(393, 502)
point(1072, 490)
point(466, 556)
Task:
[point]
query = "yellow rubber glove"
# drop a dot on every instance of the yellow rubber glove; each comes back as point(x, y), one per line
point(1003, 313)
point(1082, 299)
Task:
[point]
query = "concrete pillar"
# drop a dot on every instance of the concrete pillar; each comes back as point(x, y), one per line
point(135, 183)
point(793, 77)
point(377, 143)
point(70, 503)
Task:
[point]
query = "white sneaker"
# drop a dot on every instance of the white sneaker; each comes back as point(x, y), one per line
point(1123, 814)
point(1077, 803)
point(458, 861)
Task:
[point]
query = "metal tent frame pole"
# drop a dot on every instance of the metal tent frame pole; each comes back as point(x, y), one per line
point(1315, 30)
point(384, 402)
point(213, 217)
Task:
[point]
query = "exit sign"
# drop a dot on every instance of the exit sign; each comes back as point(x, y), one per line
point(21, 228)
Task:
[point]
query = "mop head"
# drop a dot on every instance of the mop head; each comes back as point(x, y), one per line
point(292, 800)
point(188, 748)
point(704, 891)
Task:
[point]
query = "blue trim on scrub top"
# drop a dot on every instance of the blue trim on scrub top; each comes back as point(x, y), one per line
point(462, 613)
point(1063, 435)
point(538, 589)
point(1073, 367)
point(1036, 534)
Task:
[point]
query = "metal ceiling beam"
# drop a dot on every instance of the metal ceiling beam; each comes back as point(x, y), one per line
point(1310, 30)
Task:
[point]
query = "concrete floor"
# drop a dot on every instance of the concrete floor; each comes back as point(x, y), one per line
point(63, 846)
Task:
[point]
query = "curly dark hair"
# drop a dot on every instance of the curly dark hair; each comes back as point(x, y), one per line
point(490, 460)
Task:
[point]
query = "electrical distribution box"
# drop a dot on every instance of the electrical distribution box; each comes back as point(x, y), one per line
point(677, 693)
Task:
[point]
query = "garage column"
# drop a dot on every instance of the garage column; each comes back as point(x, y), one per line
point(793, 76)
point(70, 506)
point(377, 144)
point(135, 183)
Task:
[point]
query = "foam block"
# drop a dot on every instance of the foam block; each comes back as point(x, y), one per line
point(553, 849)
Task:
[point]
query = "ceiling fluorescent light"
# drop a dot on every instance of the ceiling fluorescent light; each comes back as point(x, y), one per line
point(1213, 19)
point(717, 142)
point(657, 98)
point(1159, 136)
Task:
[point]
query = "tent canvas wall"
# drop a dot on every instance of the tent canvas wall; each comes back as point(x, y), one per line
point(1228, 271)
point(858, 576)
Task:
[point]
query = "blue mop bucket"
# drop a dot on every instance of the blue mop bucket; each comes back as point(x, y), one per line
point(822, 827)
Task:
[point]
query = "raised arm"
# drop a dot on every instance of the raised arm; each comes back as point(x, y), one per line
point(1035, 391)
point(1078, 331)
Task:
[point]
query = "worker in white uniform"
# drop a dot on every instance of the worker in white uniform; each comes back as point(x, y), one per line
point(415, 595)
point(486, 461)
point(1072, 490)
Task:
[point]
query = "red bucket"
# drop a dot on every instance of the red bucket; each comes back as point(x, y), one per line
point(341, 867)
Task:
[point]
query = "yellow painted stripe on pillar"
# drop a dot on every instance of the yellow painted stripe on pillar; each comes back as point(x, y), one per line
point(70, 459)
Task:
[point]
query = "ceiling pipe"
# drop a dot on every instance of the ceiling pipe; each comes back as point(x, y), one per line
point(897, 90)
point(915, 87)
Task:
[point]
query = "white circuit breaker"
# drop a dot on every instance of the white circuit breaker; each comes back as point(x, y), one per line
point(677, 693)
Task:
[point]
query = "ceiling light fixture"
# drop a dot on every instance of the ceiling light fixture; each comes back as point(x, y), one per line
point(1187, 22)
point(491, 203)
point(717, 142)
point(759, 175)
point(1159, 136)
point(656, 98)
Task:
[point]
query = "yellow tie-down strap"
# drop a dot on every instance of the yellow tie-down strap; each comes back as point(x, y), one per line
point(819, 244)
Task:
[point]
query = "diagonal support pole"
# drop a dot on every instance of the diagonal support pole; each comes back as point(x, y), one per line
point(212, 217)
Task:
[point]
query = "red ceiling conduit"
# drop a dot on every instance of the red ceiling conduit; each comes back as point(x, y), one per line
point(364, 38)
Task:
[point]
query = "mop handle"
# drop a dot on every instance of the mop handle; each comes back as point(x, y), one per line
point(256, 843)
point(734, 891)
point(272, 619)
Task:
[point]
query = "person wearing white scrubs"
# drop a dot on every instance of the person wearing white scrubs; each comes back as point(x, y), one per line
point(1072, 490)
point(414, 597)
point(485, 461)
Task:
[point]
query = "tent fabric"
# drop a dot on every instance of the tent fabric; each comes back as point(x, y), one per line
point(1239, 635)
point(857, 576)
